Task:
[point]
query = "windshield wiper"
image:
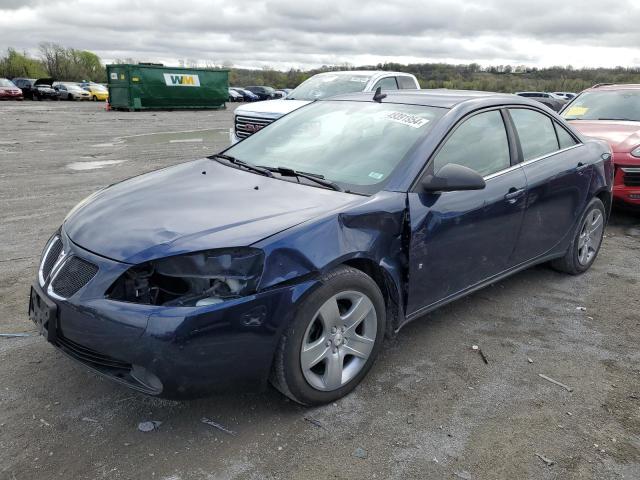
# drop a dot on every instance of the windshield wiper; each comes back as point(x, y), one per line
point(314, 177)
point(248, 166)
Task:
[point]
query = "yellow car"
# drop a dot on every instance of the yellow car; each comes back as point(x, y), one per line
point(98, 92)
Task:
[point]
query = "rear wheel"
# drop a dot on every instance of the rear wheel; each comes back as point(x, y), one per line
point(586, 242)
point(333, 340)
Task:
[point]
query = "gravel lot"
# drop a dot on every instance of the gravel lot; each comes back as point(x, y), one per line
point(430, 408)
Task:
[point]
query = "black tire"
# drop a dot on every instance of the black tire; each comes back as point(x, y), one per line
point(94, 98)
point(70, 97)
point(570, 263)
point(287, 374)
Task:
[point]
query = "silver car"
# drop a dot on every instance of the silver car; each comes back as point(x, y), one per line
point(71, 91)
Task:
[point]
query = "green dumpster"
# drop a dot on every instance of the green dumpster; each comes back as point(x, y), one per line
point(148, 86)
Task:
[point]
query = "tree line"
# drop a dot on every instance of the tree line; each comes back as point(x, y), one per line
point(501, 78)
point(69, 64)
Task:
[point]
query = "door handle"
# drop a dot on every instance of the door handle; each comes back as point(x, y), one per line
point(582, 166)
point(513, 194)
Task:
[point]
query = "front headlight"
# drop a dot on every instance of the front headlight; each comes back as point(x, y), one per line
point(196, 279)
point(636, 152)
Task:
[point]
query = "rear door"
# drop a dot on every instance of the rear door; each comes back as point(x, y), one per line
point(460, 239)
point(558, 179)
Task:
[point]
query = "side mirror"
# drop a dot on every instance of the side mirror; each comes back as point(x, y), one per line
point(452, 178)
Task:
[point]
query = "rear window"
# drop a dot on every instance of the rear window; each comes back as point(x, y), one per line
point(406, 83)
point(536, 132)
point(565, 139)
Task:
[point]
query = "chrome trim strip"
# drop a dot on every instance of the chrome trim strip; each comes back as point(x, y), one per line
point(45, 255)
point(533, 160)
point(54, 273)
point(630, 169)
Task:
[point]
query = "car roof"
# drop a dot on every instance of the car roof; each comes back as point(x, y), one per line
point(615, 86)
point(441, 97)
point(364, 72)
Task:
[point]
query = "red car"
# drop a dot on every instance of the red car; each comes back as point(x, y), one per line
point(8, 91)
point(612, 113)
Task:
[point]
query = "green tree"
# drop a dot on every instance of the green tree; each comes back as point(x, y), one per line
point(16, 64)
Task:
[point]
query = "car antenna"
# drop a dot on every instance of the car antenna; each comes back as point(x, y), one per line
point(378, 96)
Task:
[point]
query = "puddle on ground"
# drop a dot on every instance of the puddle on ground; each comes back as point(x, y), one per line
point(79, 166)
point(214, 135)
point(110, 144)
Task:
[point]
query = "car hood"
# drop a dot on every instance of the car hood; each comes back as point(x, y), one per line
point(270, 108)
point(194, 206)
point(9, 89)
point(622, 136)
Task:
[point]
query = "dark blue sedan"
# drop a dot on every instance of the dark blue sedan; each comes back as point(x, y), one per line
point(291, 255)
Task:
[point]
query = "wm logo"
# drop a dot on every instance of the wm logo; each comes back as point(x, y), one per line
point(181, 80)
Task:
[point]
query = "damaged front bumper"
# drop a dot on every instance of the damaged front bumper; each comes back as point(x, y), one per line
point(172, 352)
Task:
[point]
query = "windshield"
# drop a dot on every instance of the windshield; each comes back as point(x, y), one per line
point(605, 105)
point(327, 85)
point(97, 88)
point(72, 86)
point(6, 83)
point(354, 144)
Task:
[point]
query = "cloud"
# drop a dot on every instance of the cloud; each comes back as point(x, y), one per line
point(286, 33)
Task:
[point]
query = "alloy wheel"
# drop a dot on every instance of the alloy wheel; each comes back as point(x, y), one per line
point(590, 236)
point(339, 340)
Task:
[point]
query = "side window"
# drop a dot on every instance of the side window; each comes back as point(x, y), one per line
point(388, 83)
point(536, 133)
point(406, 83)
point(479, 143)
point(564, 138)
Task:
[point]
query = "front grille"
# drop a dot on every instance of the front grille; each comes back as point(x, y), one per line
point(50, 257)
point(74, 274)
point(245, 126)
point(631, 177)
point(89, 356)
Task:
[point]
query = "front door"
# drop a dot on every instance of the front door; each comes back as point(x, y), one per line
point(459, 239)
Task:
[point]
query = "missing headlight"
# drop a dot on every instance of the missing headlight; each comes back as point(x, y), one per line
point(202, 278)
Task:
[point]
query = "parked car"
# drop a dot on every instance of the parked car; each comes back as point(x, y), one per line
point(565, 95)
point(263, 93)
point(36, 89)
point(612, 113)
point(9, 91)
point(283, 92)
point(235, 96)
point(552, 101)
point(71, 91)
point(249, 119)
point(97, 91)
point(290, 255)
point(246, 94)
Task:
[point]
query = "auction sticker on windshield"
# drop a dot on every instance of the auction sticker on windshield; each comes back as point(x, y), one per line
point(412, 121)
point(576, 111)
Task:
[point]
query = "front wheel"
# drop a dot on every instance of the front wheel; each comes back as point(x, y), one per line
point(586, 242)
point(333, 340)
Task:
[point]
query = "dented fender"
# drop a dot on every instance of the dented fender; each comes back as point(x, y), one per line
point(371, 235)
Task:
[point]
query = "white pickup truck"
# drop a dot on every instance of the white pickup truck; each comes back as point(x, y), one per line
point(250, 118)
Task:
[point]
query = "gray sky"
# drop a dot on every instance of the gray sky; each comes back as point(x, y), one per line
point(288, 33)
